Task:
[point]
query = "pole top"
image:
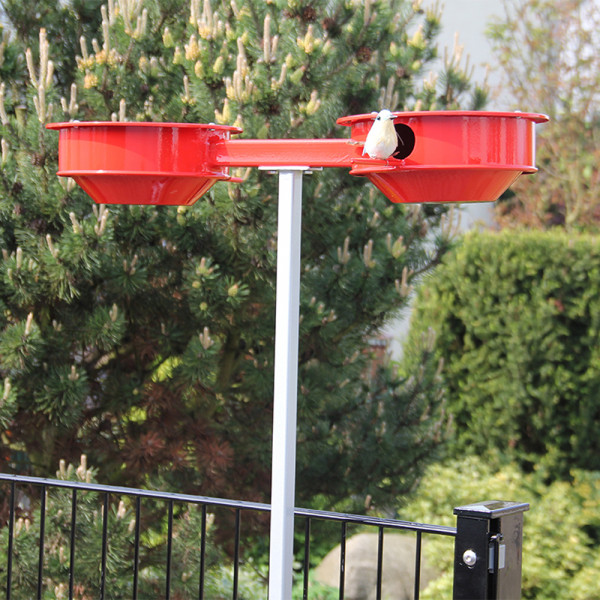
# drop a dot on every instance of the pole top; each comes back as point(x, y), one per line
point(491, 509)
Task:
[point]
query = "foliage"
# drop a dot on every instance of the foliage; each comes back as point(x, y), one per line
point(561, 530)
point(317, 590)
point(517, 321)
point(143, 336)
point(548, 51)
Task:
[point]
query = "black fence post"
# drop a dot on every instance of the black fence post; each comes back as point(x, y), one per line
point(488, 551)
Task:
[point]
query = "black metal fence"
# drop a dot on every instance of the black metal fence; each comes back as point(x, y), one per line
point(64, 518)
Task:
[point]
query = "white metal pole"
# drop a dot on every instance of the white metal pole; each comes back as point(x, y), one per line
point(286, 384)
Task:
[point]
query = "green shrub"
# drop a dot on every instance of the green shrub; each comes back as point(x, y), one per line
point(560, 534)
point(517, 318)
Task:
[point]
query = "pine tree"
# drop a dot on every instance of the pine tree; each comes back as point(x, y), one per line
point(143, 336)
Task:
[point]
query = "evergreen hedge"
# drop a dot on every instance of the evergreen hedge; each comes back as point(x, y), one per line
point(517, 322)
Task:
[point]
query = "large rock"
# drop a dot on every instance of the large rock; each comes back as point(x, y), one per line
point(361, 567)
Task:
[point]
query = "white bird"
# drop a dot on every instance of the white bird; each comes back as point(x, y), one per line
point(382, 140)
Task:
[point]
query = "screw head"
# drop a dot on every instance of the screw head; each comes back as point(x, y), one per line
point(469, 558)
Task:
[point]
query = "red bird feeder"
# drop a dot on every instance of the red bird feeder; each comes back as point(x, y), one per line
point(141, 163)
point(450, 156)
point(442, 156)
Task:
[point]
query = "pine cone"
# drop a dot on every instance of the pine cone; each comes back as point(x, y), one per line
point(364, 54)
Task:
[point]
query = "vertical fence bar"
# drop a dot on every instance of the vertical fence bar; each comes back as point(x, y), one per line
point(136, 546)
point(169, 550)
point(379, 562)
point(418, 567)
point(202, 554)
point(41, 545)
point(343, 559)
point(306, 557)
point(104, 546)
point(236, 553)
point(11, 531)
point(72, 549)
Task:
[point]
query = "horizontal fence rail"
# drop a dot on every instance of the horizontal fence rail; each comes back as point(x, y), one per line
point(85, 515)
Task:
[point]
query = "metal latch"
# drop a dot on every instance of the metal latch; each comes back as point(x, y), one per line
point(497, 553)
